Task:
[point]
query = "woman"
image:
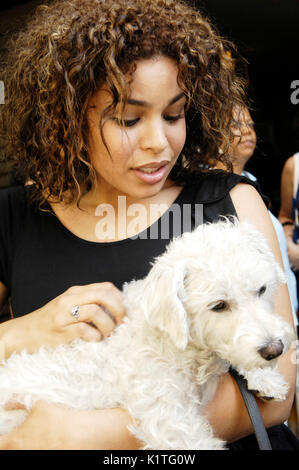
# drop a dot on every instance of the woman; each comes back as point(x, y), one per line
point(244, 142)
point(242, 149)
point(118, 104)
point(288, 214)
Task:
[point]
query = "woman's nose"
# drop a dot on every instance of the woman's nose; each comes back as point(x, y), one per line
point(246, 129)
point(154, 137)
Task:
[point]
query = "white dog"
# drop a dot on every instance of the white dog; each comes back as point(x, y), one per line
point(206, 304)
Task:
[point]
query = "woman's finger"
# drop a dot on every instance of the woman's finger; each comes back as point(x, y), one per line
point(84, 331)
point(14, 405)
point(97, 316)
point(105, 295)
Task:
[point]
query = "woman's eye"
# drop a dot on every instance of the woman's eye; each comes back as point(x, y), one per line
point(126, 122)
point(173, 118)
point(130, 122)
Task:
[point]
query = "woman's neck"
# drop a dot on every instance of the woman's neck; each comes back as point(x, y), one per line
point(103, 218)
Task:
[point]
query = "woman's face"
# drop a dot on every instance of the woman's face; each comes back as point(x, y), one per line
point(142, 153)
point(244, 142)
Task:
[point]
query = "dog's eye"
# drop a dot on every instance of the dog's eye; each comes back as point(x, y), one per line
point(261, 291)
point(220, 307)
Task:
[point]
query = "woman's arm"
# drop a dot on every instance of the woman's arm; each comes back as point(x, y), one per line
point(53, 427)
point(3, 295)
point(285, 213)
point(227, 412)
point(286, 191)
point(49, 426)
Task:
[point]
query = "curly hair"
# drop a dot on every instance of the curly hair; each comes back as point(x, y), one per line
point(69, 48)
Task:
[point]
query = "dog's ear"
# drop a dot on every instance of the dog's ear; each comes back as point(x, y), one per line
point(257, 240)
point(162, 300)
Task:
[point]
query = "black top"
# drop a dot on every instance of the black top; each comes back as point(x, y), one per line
point(40, 258)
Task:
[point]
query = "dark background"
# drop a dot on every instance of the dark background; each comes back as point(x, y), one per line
point(266, 33)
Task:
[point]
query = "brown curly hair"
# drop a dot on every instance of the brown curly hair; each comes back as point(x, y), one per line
point(69, 48)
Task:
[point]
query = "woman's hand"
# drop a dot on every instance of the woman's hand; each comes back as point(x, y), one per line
point(53, 427)
point(293, 254)
point(292, 248)
point(101, 309)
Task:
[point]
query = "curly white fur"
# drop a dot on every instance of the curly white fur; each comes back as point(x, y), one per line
point(206, 304)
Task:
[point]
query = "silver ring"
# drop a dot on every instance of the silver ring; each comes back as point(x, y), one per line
point(76, 311)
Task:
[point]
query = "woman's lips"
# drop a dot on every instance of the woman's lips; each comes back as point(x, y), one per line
point(248, 143)
point(153, 177)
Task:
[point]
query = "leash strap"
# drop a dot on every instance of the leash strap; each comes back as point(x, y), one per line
point(253, 411)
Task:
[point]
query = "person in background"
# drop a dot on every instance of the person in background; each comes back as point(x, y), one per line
point(289, 208)
point(242, 149)
point(289, 218)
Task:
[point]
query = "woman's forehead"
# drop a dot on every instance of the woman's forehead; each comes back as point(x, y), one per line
point(152, 80)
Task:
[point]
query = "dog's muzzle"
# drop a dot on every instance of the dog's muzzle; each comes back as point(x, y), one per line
point(272, 350)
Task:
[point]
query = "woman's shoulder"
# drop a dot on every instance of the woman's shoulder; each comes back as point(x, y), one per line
point(289, 165)
point(13, 198)
point(215, 185)
point(12, 194)
point(16, 206)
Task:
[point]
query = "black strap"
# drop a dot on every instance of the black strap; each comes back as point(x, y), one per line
point(253, 411)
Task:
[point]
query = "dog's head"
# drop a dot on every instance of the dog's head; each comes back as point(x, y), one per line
point(214, 288)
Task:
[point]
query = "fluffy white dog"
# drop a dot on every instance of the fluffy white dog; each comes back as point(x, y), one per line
point(206, 304)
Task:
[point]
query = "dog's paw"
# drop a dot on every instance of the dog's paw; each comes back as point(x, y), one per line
point(261, 397)
point(267, 384)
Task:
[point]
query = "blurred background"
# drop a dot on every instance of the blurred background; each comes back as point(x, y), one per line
point(266, 33)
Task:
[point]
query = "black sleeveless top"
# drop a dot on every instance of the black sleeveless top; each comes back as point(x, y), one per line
point(40, 258)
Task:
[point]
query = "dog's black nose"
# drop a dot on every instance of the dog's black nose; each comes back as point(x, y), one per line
point(272, 350)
